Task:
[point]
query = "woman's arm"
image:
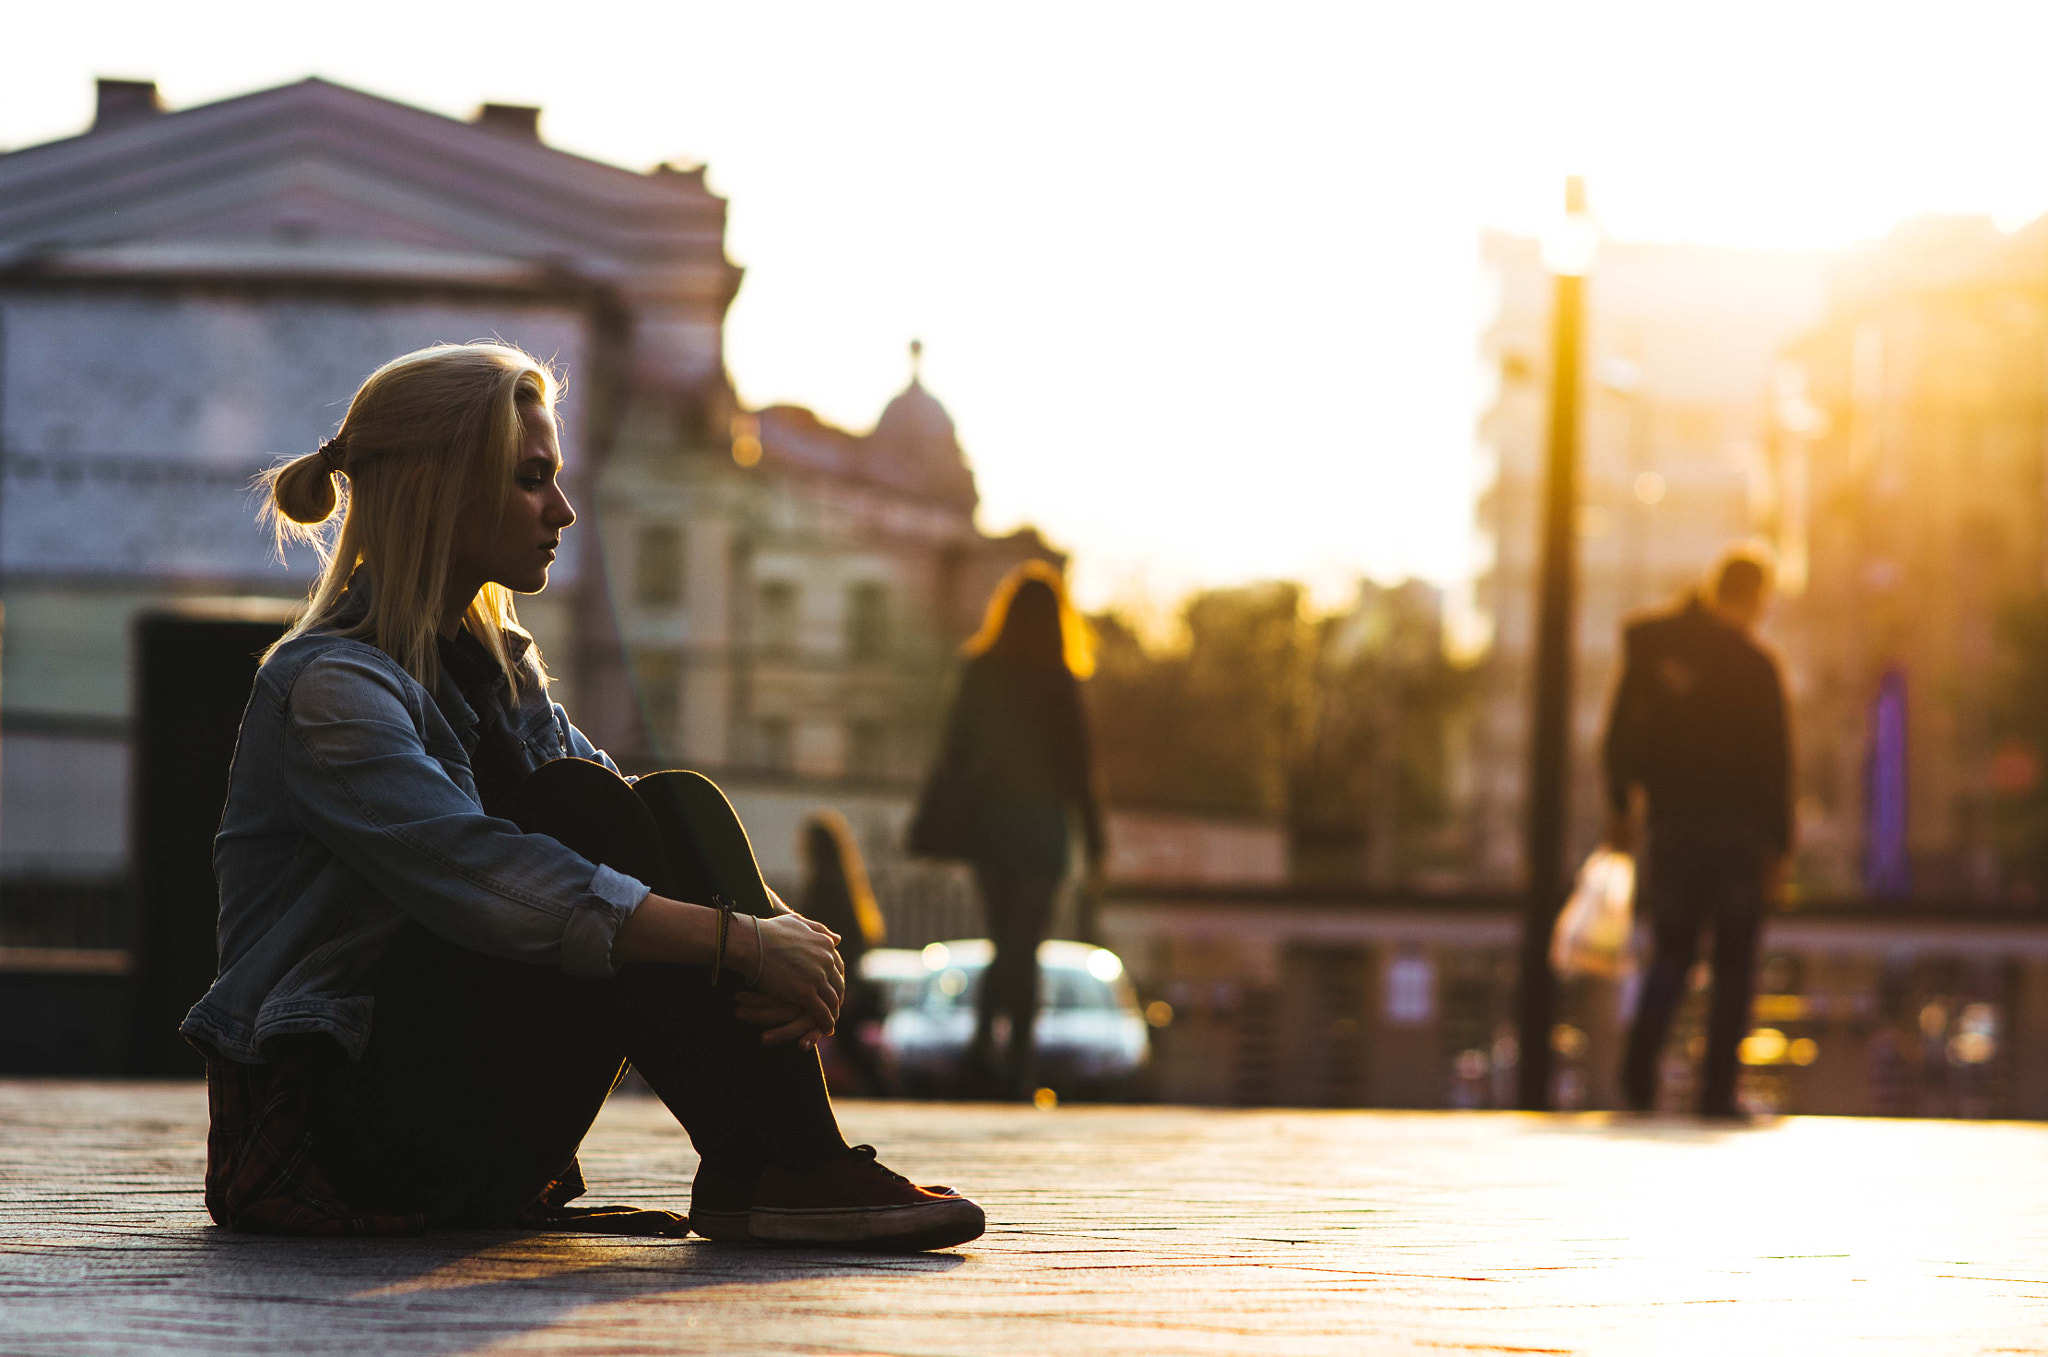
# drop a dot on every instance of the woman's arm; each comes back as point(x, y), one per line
point(790, 959)
point(697, 938)
point(361, 781)
point(956, 747)
point(1087, 780)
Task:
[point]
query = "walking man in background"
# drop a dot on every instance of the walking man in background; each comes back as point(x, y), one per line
point(1699, 726)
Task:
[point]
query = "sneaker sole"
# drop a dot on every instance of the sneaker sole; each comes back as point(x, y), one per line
point(726, 1226)
point(910, 1229)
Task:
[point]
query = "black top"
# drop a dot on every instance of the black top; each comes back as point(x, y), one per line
point(1699, 723)
point(1018, 747)
point(495, 763)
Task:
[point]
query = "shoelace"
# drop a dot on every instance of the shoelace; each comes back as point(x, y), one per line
point(868, 1152)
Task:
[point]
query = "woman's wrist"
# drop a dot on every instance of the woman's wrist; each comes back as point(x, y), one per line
point(674, 931)
point(747, 949)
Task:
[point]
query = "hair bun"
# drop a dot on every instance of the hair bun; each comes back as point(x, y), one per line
point(304, 489)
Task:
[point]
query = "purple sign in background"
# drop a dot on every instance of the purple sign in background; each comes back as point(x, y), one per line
point(1887, 870)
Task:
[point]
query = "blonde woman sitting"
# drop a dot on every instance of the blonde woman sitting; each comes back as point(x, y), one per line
point(447, 922)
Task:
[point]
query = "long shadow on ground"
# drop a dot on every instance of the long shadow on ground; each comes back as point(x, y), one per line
point(208, 1290)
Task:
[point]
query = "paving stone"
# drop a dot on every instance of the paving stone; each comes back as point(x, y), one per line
point(1113, 1230)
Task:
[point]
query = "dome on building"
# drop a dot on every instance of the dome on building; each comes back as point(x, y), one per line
point(915, 446)
point(916, 425)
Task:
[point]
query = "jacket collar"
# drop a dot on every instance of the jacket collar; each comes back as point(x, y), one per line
point(447, 693)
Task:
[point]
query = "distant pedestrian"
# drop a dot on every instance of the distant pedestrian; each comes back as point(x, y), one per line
point(1699, 726)
point(836, 894)
point(1014, 783)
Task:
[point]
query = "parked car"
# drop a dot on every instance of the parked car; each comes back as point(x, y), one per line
point(1092, 1038)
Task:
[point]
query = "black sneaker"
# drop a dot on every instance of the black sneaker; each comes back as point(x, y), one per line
point(720, 1204)
point(853, 1202)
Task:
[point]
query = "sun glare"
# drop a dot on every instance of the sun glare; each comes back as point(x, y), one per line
point(1214, 328)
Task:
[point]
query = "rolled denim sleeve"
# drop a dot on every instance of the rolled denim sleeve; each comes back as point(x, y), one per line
point(364, 784)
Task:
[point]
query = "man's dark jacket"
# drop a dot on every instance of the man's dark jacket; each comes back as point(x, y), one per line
point(1699, 723)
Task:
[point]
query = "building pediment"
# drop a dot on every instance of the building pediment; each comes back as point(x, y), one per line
point(318, 178)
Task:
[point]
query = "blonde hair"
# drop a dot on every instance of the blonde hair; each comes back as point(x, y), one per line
point(827, 830)
point(1077, 642)
point(427, 438)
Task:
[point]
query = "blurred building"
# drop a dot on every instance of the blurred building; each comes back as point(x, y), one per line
point(1680, 348)
point(1912, 438)
point(793, 592)
point(791, 597)
point(186, 297)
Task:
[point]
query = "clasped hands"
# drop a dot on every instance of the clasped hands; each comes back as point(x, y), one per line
point(801, 985)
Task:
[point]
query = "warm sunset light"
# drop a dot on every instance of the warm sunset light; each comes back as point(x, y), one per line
point(913, 676)
point(1153, 248)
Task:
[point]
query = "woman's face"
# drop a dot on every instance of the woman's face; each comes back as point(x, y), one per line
point(529, 532)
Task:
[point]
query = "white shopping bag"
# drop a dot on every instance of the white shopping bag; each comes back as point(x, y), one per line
point(1595, 930)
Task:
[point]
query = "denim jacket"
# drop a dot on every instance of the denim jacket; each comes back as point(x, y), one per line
point(351, 809)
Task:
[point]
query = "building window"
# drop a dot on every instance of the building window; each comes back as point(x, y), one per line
point(774, 746)
point(778, 617)
point(658, 567)
point(658, 678)
point(867, 750)
point(867, 621)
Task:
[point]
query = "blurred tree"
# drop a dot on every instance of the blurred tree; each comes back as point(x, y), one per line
point(1372, 792)
point(1211, 723)
point(1340, 726)
point(2019, 730)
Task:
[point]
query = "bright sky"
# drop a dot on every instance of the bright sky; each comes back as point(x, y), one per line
point(1198, 282)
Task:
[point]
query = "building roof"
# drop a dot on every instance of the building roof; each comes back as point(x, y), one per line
point(349, 228)
point(317, 180)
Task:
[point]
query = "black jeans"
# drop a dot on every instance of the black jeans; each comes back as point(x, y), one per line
point(1019, 912)
point(483, 1074)
point(1697, 878)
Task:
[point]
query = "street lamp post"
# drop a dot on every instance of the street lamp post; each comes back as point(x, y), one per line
point(1568, 257)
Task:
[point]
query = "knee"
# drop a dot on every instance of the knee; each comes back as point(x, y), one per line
point(579, 775)
point(682, 791)
point(591, 810)
point(562, 785)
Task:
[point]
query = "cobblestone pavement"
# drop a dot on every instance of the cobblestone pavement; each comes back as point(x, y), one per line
point(1113, 1230)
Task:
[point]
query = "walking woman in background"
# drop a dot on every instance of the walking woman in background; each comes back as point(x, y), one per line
point(1014, 776)
point(447, 921)
point(836, 894)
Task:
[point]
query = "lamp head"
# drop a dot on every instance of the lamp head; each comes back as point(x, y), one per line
point(1569, 247)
